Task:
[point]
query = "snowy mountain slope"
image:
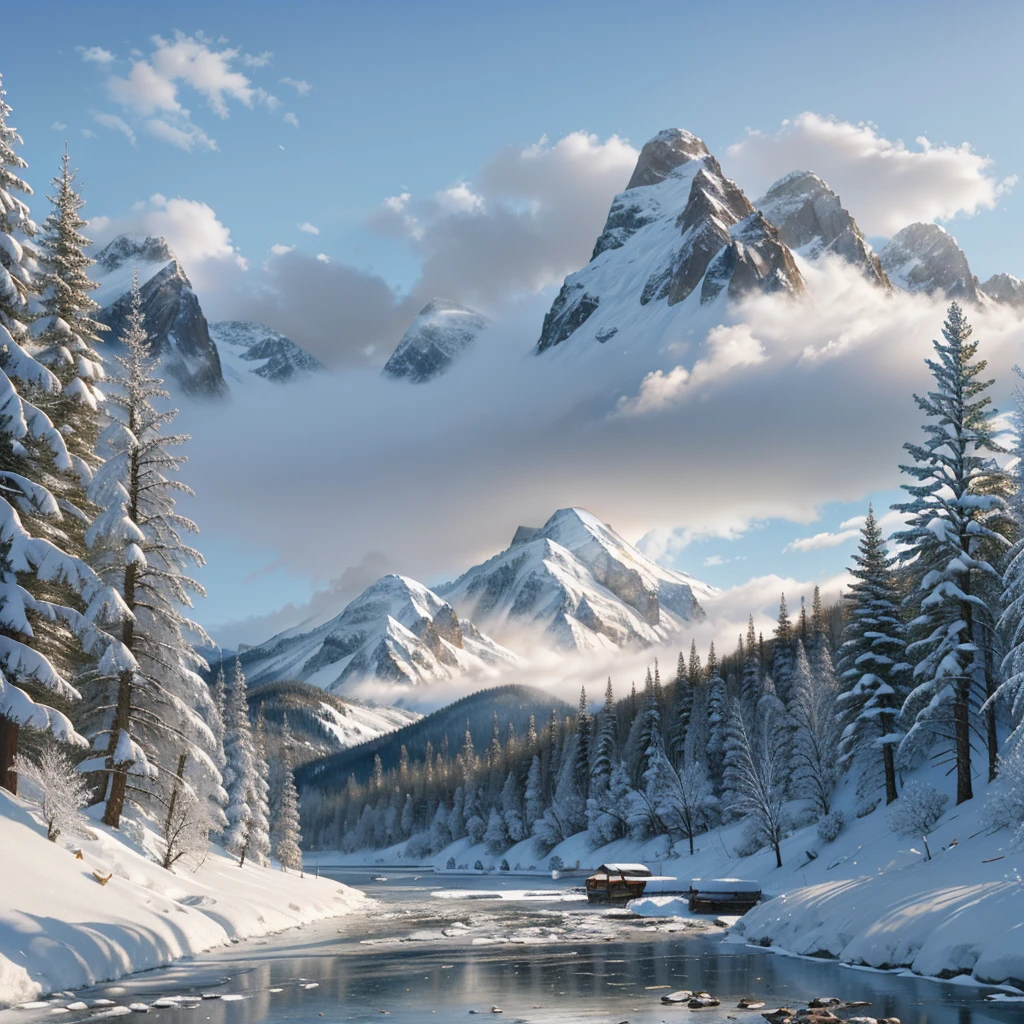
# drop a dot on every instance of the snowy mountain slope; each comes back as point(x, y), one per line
point(925, 258)
point(397, 631)
point(580, 586)
point(813, 222)
point(177, 328)
point(247, 348)
point(1005, 288)
point(443, 332)
point(681, 235)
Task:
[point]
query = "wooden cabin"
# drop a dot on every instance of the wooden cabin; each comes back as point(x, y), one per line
point(612, 882)
point(723, 895)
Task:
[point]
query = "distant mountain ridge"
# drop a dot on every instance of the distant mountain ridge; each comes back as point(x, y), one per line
point(440, 335)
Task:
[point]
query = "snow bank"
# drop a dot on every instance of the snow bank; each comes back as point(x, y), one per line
point(60, 929)
point(660, 906)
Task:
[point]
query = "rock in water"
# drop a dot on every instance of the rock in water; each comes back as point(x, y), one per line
point(925, 258)
point(682, 996)
point(441, 334)
point(812, 221)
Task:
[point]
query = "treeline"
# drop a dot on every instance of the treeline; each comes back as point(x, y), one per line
point(101, 700)
point(923, 659)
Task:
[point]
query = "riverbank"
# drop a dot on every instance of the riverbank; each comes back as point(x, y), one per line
point(61, 929)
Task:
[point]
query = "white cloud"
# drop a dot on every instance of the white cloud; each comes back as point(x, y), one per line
point(96, 55)
point(88, 133)
point(279, 250)
point(712, 560)
point(115, 123)
point(186, 137)
point(192, 229)
point(729, 349)
point(323, 257)
point(301, 87)
point(310, 229)
point(849, 530)
point(885, 184)
point(291, 119)
point(58, 126)
point(528, 218)
point(257, 60)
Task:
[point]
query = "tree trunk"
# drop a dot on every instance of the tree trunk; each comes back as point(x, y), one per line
point(962, 732)
point(119, 772)
point(8, 750)
point(890, 773)
point(778, 854)
point(174, 793)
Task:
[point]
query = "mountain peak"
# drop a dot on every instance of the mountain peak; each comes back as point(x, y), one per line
point(1005, 288)
point(669, 149)
point(442, 332)
point(812, 221)
point(125, 248)
point(926, 258)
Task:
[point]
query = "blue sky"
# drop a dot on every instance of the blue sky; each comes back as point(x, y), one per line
point(319, 112)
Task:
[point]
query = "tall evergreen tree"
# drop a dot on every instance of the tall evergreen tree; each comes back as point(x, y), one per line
point(873, 670)
point(718, 713)
point(782, 652)
point(287, 829)
point(146, 713)
point(956, 510)
point(751, 685)
point(51, 600)
point(604, 747)
point(682, 709)
point(583, 745)
point(812, 707)
point(240, 775)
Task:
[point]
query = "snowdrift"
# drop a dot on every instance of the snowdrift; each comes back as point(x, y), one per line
point(61, 929)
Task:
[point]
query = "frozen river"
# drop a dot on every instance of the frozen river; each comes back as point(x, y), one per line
point(421, 956)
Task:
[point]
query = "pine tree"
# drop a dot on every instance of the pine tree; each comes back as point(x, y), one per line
point(873, 670)
point(287, 829)
point(782, 654)
point(582, 759)
point(812, 707)
point(718, 714)
point(147, 712)
point(955, 512)
point(240, 774)
point(751, 686)
point(1011, 623)
point(52, 603)
point(604, 747)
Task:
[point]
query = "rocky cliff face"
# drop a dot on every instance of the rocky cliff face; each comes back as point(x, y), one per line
point(177, 329)
point(812, 221)
point(1006, 289)
point(925, 258)
point(255, 348)
point(678, 215)
point(442, 333)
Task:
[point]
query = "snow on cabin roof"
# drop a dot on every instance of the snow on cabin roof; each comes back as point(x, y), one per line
point(724, 885)
point(625, 869)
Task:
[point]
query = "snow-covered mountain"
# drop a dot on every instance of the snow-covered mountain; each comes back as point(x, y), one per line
point(397, 631)
point(926, 258)
point(442, 333)
point(813, 222)
point(681, 233)
point(1005, 288)
point(246, 348)
point(577, 585)
point(177, 328)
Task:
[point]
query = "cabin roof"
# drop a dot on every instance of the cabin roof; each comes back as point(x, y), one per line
point(624, 869)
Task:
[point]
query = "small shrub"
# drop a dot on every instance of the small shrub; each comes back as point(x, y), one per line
point(869, 808)
point(830, 826)
point(504, 866)
point(478, 866)
point(450, 866)
point(917, 810)
point(556, 863)
point(750, 842)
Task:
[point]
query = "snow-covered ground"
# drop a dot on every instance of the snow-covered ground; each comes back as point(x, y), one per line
point(61, 929)
point(869, 897)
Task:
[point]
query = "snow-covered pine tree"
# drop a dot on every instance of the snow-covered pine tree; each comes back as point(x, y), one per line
point(755, 777)
point(604, 744)
point(956, 512)
point(287, 828)
point(1011, 691)
point(69, 334)
point(679, 799)
point(718, 714)
point(440, 834)
point(812, 708)
point(496, 834)
point(143, 716)
point(872, 666)
point(782, 653)
point(259, 832)
point(645, 725)
point(582, 753)
point(240, 773)
point(512, 809)
point(51, 600)
point(751, 687)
